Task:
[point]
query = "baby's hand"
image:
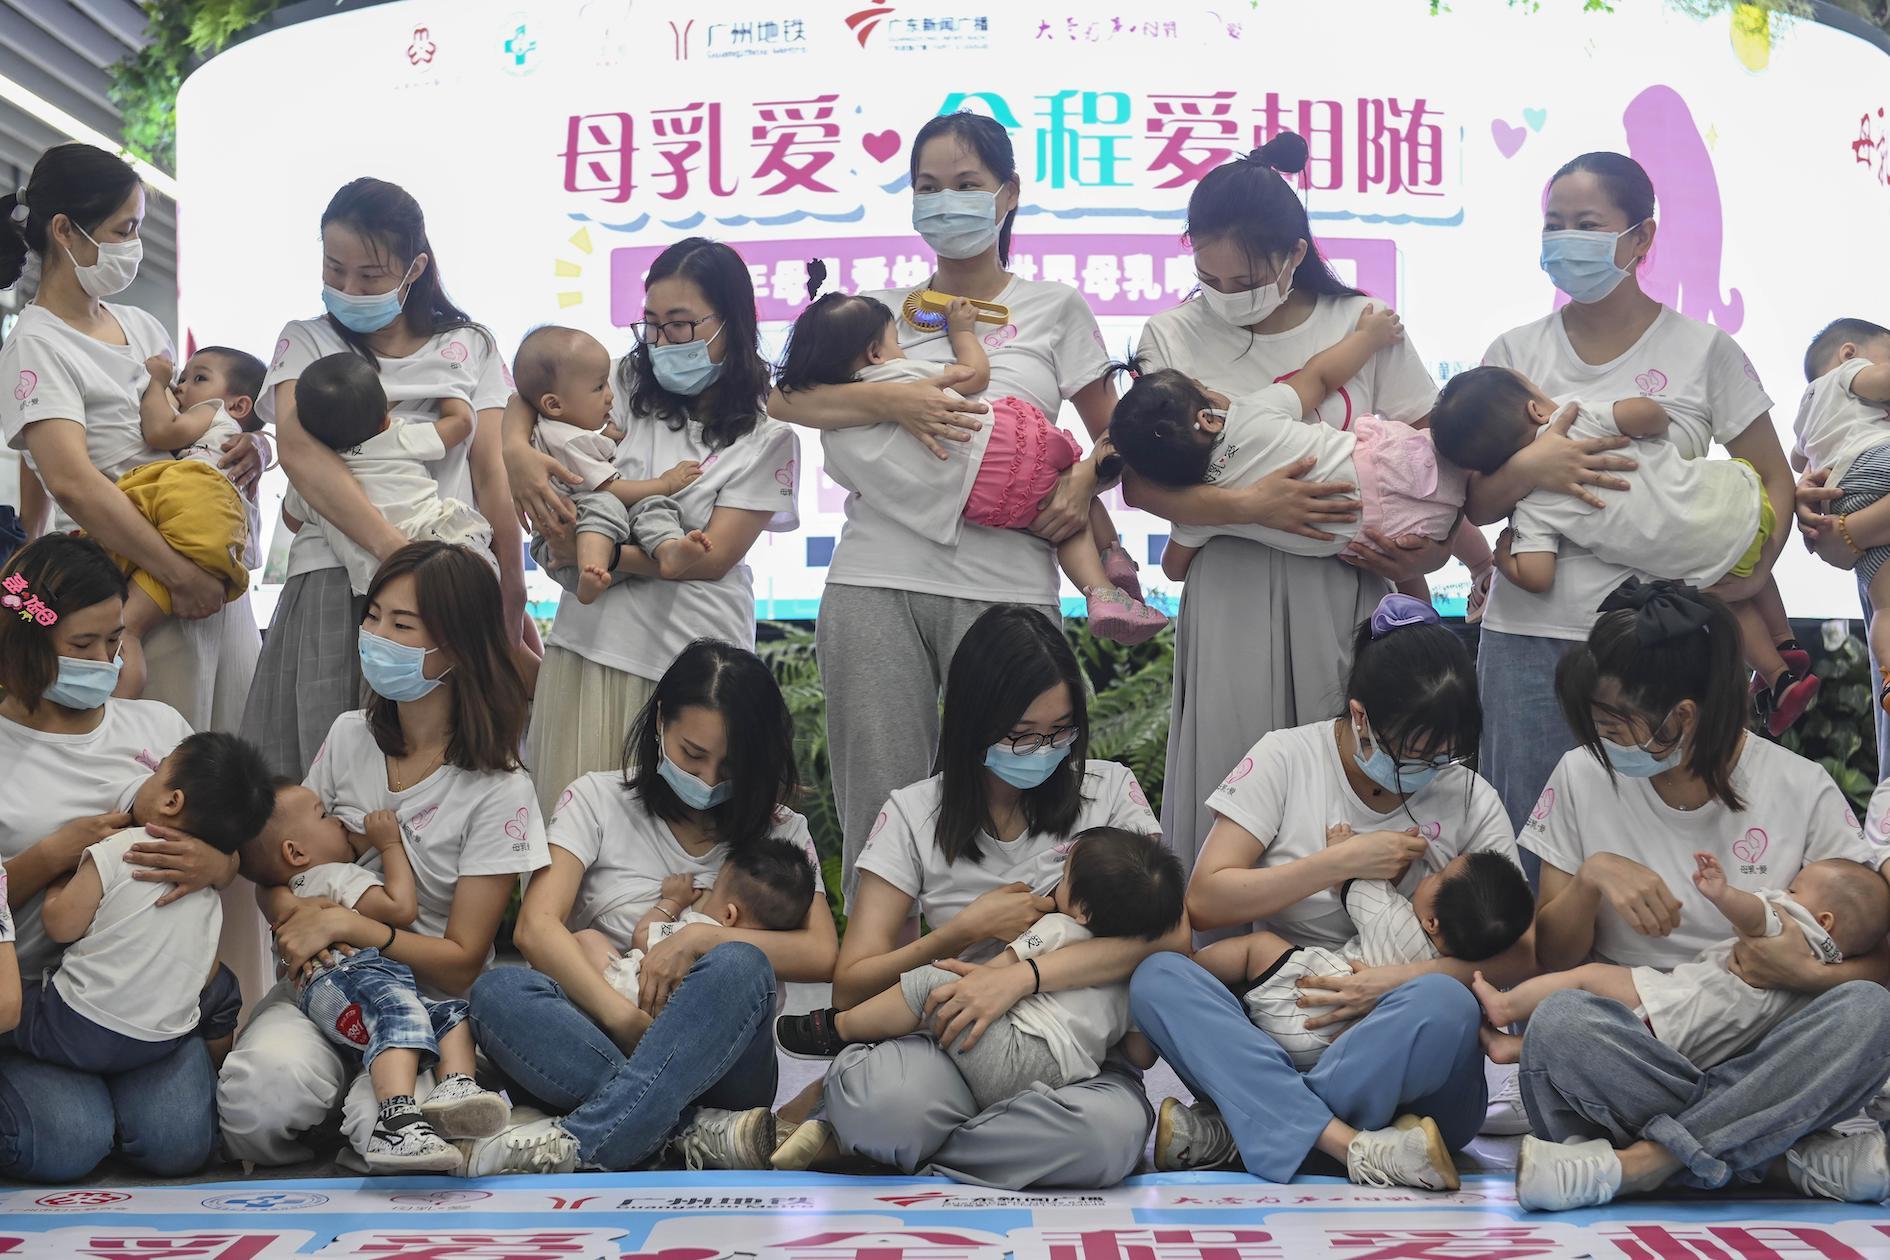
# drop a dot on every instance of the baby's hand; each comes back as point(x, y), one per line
point(1709, 876)
point(1382, 325)
point(612, 432)
point(960, 315)
point(1339, 833)
point(679, 476)
point(161, 369)
point(680, 889)
point(382, 828)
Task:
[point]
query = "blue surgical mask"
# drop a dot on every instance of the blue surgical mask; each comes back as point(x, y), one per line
point(83, 684)
point(689, 789)
point(1024, 770)
point(1403, 778)
point(396, 671)
point(956, 224)
point(1635, 761)
point(365, 312)
point(686, 369)
point(1582, 263)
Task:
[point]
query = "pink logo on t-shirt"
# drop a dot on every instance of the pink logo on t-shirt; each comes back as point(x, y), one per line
point(1652, 381)
point(505, 374)
point(1544, 804)
point(1136, 793)
point(709, 463)
point(1850, 819)
point(455, 352)
point(1241, 771)
point(424, 819)
point(516, 829)
point(1752, 846)
point(786, 473)
point(1001, 338)
point(24, 390)
point(564, 800)
point(1752, 374)
point(149, 760)
point(282, 348)
point(1432, 832)
point(879, 825)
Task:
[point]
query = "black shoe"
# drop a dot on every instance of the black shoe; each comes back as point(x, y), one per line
point(811, 1036)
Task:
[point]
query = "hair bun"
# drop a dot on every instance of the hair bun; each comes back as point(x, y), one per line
point(1396, 611)
point(1285, 153)
point(816, 276)
point(1663, 610)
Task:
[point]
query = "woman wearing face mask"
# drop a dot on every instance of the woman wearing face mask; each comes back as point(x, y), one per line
point(74, 758)
point(690, 390)
point(437, 744)
point(897, 604)
point(385, 301)
point(1656, 698)
point(1392, 768)
point(975, 851)
point(692, 1060)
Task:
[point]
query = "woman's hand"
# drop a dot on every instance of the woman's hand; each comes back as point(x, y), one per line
point(1637, 894)
point(1395, 559)
point(1774, 962)
point(1381, 854)
point(1347, 998)
point(330, 957)
point(1002, 914)
point(965, 1008)
point(667, 962)
point(72, 840)
point(1285, 501)
point(1064, 512)
point(242, 461)
point(1561, 465)
point(1812, 500)
point(308, 931)
point(533, 475)
point(181, 860)
point(194, 593)
point(926, 412)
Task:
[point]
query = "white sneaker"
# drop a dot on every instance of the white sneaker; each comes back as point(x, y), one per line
point(411, 1147)
point(805, 1145)
point(1506, 1117)
point(537, 1146)
point(1552, 1177)
point(458, 1108)
point(1192, 1137)
point(1851, 1168)
point(728, 1139)
point(1410, 1153)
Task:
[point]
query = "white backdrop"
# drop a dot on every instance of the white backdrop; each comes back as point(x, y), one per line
point(557, 149)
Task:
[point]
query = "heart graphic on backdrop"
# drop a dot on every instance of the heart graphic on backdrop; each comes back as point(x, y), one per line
point(1752, 846)
point(1535, 118)
point(1508, 137)
point(881, 146)
point(1652, 381)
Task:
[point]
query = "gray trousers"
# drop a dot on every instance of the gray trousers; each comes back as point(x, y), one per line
point(1005, 1062)
point(1876, 681)
point(1591, 1068)
point(905, 1104)
point(649, 524)
point(884, 656)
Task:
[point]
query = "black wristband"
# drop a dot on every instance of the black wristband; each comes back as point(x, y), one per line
point(1037, 987)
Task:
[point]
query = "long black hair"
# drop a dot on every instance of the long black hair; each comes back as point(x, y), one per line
point(388, 218)
point(734, 683)
point(729, 409)
point(77, 180)
point(1009, 657)
point(985, 137)
point(1249, 202)
point(828, 338)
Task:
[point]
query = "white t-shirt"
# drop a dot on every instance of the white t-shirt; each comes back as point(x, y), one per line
point(1711, 393)
point(904, 482)
point(208, 449)
point(1394, 382)
point(140, 968)
point(1835, 426)
point(624, 972)
point(1050, 351)
point(903, 847)
point(1079, 1025)
point(589, 453)
point(628, 852)
point(459, 363)
point(1263, 433)
point(1686, 519)
point(54, 779)
point(1794, 814)
point(457, 822)
point(1291, 786)
point(6, 913)
point(340, 882)
point(639, 626)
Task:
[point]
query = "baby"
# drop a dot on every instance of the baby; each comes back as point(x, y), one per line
point(1844, 425)
point(1175, 432)
point(1700, 1008)
point(189, 499)
point(369, 1004)
point(765, 886)
point(1115, 884)
point(140, 977)
point(1473, 909)
point(563, 375)
point(1694, 520)
point(340, 402)
point(997, 479)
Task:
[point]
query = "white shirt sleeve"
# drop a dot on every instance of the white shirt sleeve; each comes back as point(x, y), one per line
point(793, 828)
point(1553, 830)
point(504, 833)
point(1052, 931)
point(1529, 532)
point(1832, 829)
point(418, 438)
point(296, 348)
point(892, 849)
point(493, 386)
point(769, 478)
point(1078, 351)
point(341, 882)
point(324, 773)
point(1403, 388)
point(577, 824)
point(6, 914)
point(1128, 807)
point(1388, 929)
point(47, 388)
point(1254, 792)
point(1486, 822)
point(1733, 390)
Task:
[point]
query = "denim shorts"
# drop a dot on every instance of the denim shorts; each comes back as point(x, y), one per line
point(367, 1004)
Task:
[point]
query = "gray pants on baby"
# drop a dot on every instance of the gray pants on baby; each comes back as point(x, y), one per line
point(649, 523)
point(1005, 1062)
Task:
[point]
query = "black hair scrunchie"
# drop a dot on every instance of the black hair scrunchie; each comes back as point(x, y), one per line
point(1663, 610)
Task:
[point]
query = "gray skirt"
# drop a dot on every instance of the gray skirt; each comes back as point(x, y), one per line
point(309, 673)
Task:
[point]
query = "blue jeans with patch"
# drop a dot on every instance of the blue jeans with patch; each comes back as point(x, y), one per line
point(367, 1004)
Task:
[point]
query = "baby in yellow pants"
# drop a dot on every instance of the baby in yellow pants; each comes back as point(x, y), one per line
point(195, 508)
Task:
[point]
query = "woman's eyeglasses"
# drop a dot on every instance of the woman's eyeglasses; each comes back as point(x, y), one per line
point(669, 332)
point(1061, 737)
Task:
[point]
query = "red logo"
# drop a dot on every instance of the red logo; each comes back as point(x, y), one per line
point(420, 48)
point(913, 1200)
point(82, 1198)
point(350, 1024)
point(679, 38)
point(866, 21)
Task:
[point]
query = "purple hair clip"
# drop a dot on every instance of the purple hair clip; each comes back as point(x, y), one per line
point(1396, 611)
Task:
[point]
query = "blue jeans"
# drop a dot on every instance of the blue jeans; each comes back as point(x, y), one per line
point(54, 1032)
point(1415, 1053)
point(56, 1124)
point(367, 1004)
point(1591, 1069)
point(710, 1045)
point(1524, 733)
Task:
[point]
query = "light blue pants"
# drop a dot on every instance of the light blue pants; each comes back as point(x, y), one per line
point(1415, 1054)
point(1591, 1068)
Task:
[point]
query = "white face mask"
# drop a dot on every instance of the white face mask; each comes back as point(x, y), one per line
point(116, 268)
point(1249, 306)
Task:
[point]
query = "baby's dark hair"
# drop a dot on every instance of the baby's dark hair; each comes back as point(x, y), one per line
point(829, 339)
point(1153, 427)
point(1831, 336)
point(226, 785)
point(259, 859)
point(774, 881)
point(1860, 902)
point(246, 373)
point(1127, 884)
point(1482, 418)
point(340, 401)
point(535, 366)
point(1485, 908)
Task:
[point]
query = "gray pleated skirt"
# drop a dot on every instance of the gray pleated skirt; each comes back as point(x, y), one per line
point(309, 673)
